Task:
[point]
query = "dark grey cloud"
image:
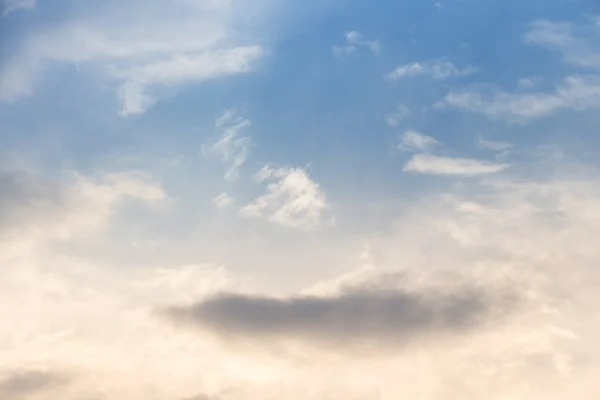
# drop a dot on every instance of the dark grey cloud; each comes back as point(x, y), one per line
point(18, 385)
point(356, 316)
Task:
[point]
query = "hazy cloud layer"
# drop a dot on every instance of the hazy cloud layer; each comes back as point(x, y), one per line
point(22, 384)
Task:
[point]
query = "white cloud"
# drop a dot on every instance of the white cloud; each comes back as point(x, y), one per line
point(415, 141)
point(577, 43)
point(292, 199)
point(35, 210)
point(533, 240)
point(146, 47)
point(232, 147)
point(437, 69)
point(436, 165)
point(493, 145)
point(526, 83)
point(9, 6)
point(577, 93)
point(223, 201)
point(354, 41)
point(401, 113)
point(139, 81)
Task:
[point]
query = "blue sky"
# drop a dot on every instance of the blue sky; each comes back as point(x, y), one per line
point(281, 187)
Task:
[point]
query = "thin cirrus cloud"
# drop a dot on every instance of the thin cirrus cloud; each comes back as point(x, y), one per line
point(292, 199)
point(222, 201)
point(437, 69)
point(137, 93)
point(451, 166)
point(576, 93)
point(232, 146)
point(581, 92)
point(416, 141)
point(141, 47)
point(354, 41)
point(493, 144)
point(578, 44)
point(401, 113)
point(9, 6)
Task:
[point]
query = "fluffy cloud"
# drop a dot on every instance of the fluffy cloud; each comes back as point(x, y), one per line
point(354, 41)
point(576, 93)
point(436, 165)
point(34, 209)
point(231, 147)
point(293, 199)
point(441, 271)
point(437, 69)
point(145, 47)
point(415, 141)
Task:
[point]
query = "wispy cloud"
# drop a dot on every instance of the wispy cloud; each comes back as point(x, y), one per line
point(9, 6)
point(232, 147)
point(354, 41)
point(293, 199)
point(579, 44)
point(400, 113)
point(437, 69)
point(143, 82)
point(493, 145)
point(222, 201)
point(450, 166)
point(416, 141)
point(139, 46)
point(576, 93)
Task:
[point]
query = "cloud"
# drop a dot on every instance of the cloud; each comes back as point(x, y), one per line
point(401, 113)
point(526, 83)
point(437, 69)
point(415, 141)
point(436, 165)
point(20, 385)
point(146, 48)
point(9, 6)
point(500, 235)
point(354, 41)
point(139, 81)
point(34, 209)
point(396, 316)
point(231, 147)
point(576, 93)
point(493, 145)
point(579, 44)
point(222, 201)
point(293, 199)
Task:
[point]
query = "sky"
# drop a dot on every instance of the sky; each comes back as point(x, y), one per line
point(319, 199)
